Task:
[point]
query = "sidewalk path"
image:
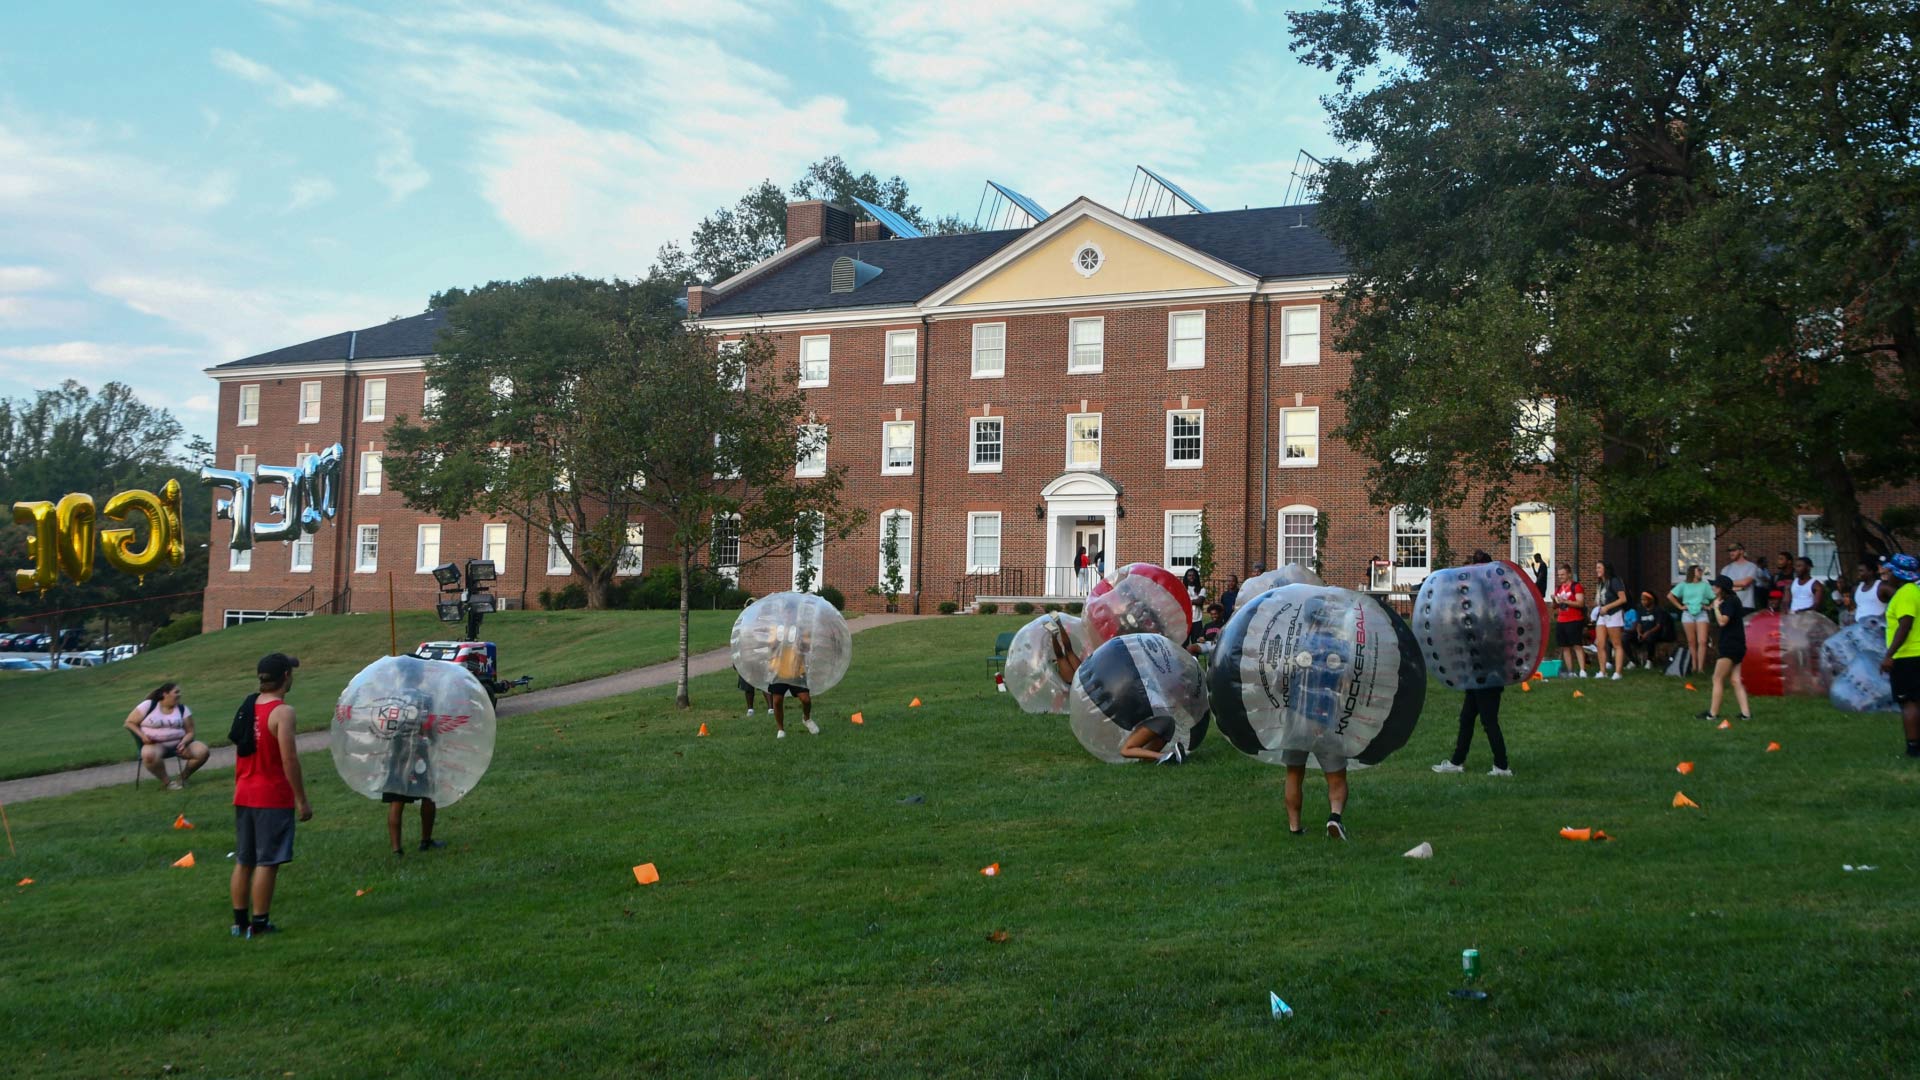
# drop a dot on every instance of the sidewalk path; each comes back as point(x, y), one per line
point(47, 785)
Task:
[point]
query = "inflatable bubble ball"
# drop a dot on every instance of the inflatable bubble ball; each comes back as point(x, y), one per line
point(1784, 654)
point(419, 729)
point(1481, 626)
point(1852, 658)
point(792, 639)
point(1318, 671)
point(1033, 673)
point(1290, 574)
point(1139, 598)
point(1132, 680)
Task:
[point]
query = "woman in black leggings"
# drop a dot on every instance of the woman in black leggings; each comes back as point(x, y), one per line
point(1485, 705)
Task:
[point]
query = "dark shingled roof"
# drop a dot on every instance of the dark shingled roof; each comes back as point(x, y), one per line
point(1275, 242)
point(411, 336)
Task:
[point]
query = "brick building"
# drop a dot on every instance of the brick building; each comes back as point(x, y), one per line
point(1008, 396)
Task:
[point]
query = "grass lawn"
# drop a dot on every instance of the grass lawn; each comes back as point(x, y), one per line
point(811, 923)
point(66, 719)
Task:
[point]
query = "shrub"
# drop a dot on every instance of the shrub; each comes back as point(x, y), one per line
point(181, 627)
point(1074, 608)
point(1051, 609)
point(948, 607)
point(989, 609)
point(1023, 608)
point(833, 596)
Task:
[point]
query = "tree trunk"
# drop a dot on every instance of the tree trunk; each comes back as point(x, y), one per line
point(1841, 509)
point(686, 579)
point(599, 591)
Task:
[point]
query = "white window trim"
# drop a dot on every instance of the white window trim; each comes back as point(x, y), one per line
point(1404, 575)
point(1318, 331)
point(1173, 317)
point(906, 553)
point(639, 549)
point(826, 446)
point(728, 348)
point(886, 361)
point(1300, 463)
point(1100, 258)
point(1802, 523)
point(1102, 366)
point(240, 561)
point(1280, 530)
point(359, 548)
point(247, 463)
point(506, 545)
point(1553, 537)
point(1071, 417)
point(973, 438)
point(1166, 536)
point(1197, 463)
point(293, 554)
point(804, 381)
point(913, 447)
point(365, 455)
point(1707, 569)
point(318, 394)
point(728, 570)
point(974, 352)
point(430, 398)
point(1000, 535)
point(420, 563)
point(554, 547)
point(820, 568)
point(240, 406)
point(367, 415)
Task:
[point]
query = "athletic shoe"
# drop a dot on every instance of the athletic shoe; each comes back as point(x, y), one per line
point(1616, 676)
point(1583, 674)
point(258, 930)
point(1497, 771)
point(237, 930)
point(1703, 714)
point(1179, 754)
point(1449, 767)
point(1166, 757)
point(1336, 831)
point(812, 728)
point(429, 845)
point(749, 712)
point(780, 733)
point(175, 785)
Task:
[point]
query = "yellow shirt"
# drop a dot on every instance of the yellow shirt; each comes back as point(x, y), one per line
point(1905, 604)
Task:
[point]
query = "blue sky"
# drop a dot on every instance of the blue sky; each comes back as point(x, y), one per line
point(185, 184)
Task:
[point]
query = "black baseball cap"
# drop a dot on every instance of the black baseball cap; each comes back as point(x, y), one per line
point(275, 665)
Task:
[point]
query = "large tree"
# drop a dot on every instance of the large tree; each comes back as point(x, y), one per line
point(755, 228)
point(1689, 227)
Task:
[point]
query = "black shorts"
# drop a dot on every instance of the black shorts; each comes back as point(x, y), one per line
point(1570, 635)
point(263, 836)
point(388, 796)
point(776, 689)
point(1906, 680)
point(741, 680)
point(1735, 651)
point(1161, 726)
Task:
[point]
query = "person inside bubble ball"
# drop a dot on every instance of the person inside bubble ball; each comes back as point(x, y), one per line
point(410, 760)
point(790, 678)
point(1065, 660)
point(1152, 740)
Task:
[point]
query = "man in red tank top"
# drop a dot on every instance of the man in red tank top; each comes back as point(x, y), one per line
point(267, 789)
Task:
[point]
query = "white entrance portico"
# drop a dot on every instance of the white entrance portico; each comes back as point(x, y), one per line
point(1083, 508)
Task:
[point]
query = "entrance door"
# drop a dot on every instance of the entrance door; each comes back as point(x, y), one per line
point(1093, 537)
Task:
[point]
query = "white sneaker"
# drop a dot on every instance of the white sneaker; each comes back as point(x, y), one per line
point(1616, 676)
point(1499, 772)
point(749, 712)
point(1583, 674)
point(1336, 831)
point(1166, 757)
point(812, 728)
point(780, 733)
point(1448, 767)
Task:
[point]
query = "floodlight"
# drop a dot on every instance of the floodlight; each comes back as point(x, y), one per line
point(480, 603)
point(479, 570)
point(447, 574)
point(448, 610)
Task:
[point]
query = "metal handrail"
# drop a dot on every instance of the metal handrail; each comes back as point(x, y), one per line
point(304, 594)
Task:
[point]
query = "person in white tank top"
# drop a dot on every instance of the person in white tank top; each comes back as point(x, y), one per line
point(1805, 594)
point(1866, 595)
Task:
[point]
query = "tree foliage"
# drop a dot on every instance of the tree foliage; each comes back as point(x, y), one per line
point(1690, 227)
point(731, 239)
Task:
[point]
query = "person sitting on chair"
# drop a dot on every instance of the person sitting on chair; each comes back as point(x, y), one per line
point(164, 727)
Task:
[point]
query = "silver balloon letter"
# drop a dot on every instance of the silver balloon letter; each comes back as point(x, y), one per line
point(238, 509)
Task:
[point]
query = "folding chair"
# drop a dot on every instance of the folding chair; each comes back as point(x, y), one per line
point(998, 661)
point(179, 766)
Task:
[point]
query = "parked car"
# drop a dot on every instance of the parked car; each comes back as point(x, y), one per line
point(36, 643)
point(6, 641)
point(19, 663)
point(72, 639)
point(78, 660)
point(122, 652)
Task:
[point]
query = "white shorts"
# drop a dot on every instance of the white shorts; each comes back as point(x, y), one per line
point(1693, 616)
point(1617, 620)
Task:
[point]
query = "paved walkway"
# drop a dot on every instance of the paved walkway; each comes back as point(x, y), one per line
point(625, 682)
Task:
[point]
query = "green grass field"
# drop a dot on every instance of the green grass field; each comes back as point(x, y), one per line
point(810, 923)
point(66, 719)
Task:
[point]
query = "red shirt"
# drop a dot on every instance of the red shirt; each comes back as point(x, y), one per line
point(1576, 595)
point(260, 778)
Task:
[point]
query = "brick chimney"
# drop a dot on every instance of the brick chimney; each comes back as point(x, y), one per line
point(816, 218)
point(698, 297)
point(864, 231)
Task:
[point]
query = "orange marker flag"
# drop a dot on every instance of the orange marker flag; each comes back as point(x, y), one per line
point(1685, 768)
point(181, 822)
point(1577, 693)
point(1571, 833)
point(1772, 746)
point(1526, 687)
point(362, 892)
point(1680, 799)
point(24, 882)
point(184, 862)
point(1725, 725)
point(859, 719)
point(990, 871)
point(646, 874)
point(914, 704)
point(701, 732)
point(1690, 686)
point(1598, 835)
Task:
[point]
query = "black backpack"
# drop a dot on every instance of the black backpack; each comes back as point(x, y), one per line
point(241, 733)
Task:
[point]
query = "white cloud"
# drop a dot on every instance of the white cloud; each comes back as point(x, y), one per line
point(308, 191)
point(395, 167)
point(26, 278)
point(238, 322)
point(307, 93)
point(73, 357)
point(38, 312)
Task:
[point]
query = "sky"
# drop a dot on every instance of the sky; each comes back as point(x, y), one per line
point(189, 183)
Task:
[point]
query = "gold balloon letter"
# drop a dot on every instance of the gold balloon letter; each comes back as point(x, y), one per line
point(162, 542)
point(41, 544)
point(78, 536)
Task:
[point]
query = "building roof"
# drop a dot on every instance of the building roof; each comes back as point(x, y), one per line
point(411, 336)
point(1273, 242)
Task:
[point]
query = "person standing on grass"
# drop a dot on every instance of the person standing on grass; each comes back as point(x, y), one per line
point(1611, 622)
point(1692, 597)
point(1230, 596)
point(790, 678)
point(1902, 663)
point(1570, 619)
point(1483, 704)
point(268, 789)
point(1806, 593)
point(164, 726)
point(410, 763)
point(1729, 615)
point(1863, 600)
point(1335, 768)
point(1196, 601)
point(1743, 572)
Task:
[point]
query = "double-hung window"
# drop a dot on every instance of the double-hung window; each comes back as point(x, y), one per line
point(902, 355)
point(300, 552)
point(900, 522)
point(1300, 335)
point(1692, 546)
point(1083, 441)
point(632, 552)
point(426, 549)
point(1412, 536)
point(493, 546)
point(726, 546)
point(1300, 438)
point(897, 448)
point(372, 475)
point(366, 559)
point(983, 543)
point(374, 400)
point(1187, 339)
point(989, 350)
point(249, 405)
point(813, 457)
point(815, 354)
point(559, 542)
point(1818, 546)
point(1299, 539)
point(730, 351)
point(989, 444)
point(1183, 538)
point(1186, 438)
point(309, 402)
point(1086, 345)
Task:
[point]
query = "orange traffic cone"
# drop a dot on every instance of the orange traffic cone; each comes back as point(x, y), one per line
point(702, 731)
point(1685, 768)
point(184, 862)
point(1577, 693)
point(23, 882)
point(859, 719)
point(914, 704)
point(363, 892)
point(991, 871)
point(181, 822)
point(1772, 746)
point(1526, 687)
point(1690, 686)
point(1680, 799)
point(1571, 833)
point(646, 873)
point(1725, 725)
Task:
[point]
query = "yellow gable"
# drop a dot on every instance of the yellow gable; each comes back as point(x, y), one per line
point(1049, 270)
